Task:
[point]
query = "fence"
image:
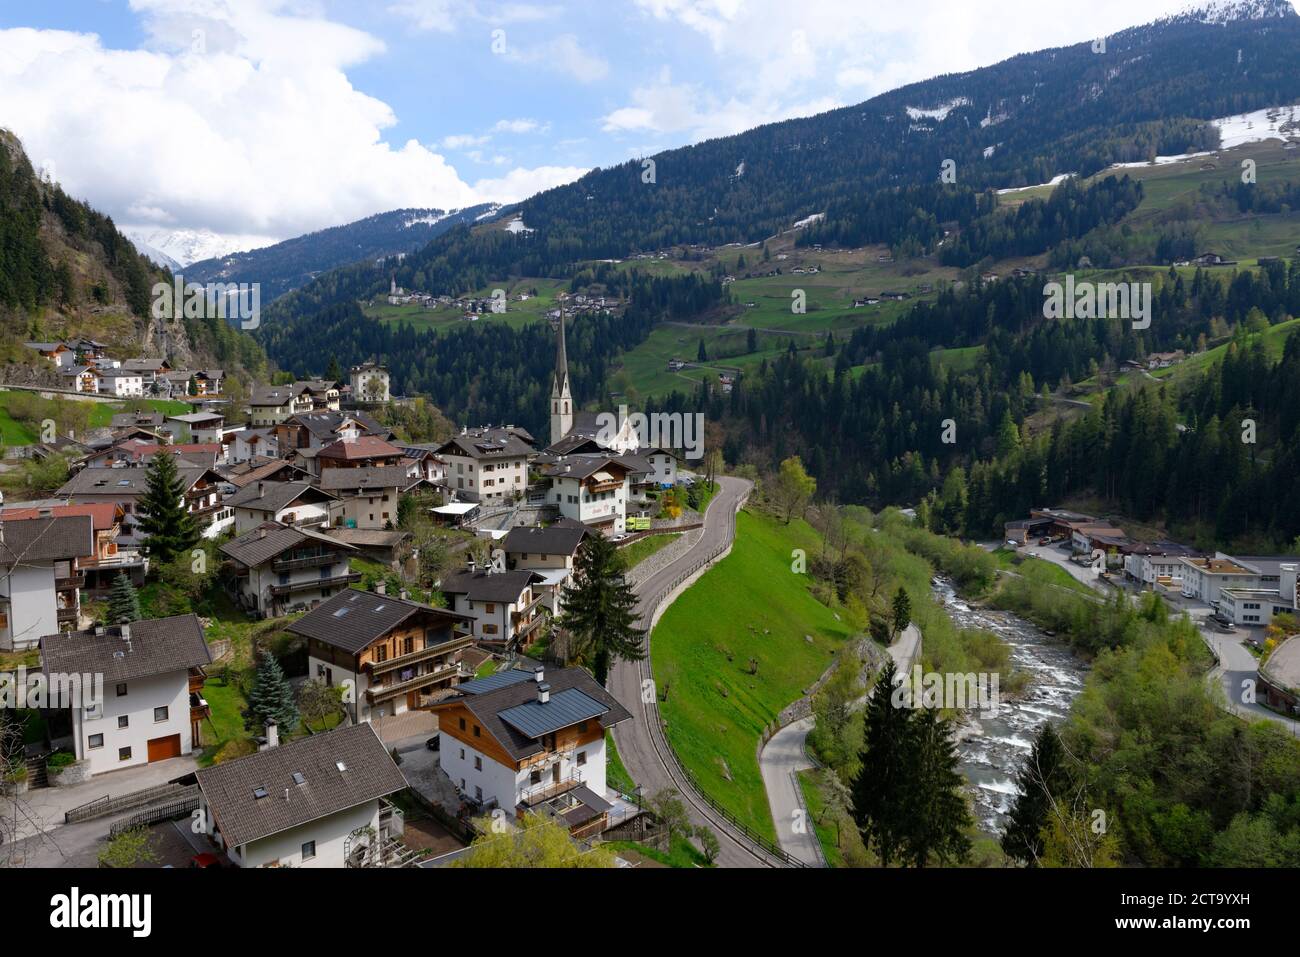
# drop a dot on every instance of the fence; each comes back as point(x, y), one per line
point(101, 807)
point(162, 812)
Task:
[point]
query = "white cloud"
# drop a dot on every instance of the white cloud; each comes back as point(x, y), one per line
point(518, 126)
point(460, 141)
point(444, 16)
point(261, 134)
point(521, 183)
point(564, 54)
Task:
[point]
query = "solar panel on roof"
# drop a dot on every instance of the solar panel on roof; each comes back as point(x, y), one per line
point(564, 708)
point(492, 682)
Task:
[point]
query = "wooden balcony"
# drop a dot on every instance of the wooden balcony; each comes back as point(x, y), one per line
point(310, 584)
point(71, 581)
point(307, 561)
point(415, 657)
point(384, 692)
point(527, 610)
point(69, 614)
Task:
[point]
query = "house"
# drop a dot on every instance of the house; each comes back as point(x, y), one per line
point(271, 405)
point(319, 801)
point(392, 654)
point(253, 443)
point(428, 464)
point(149, 369)
point(139, 419)
point(100, 568)
point(40, 586)
point(370, 383)
point(136, 453)
point(591, 489)
point(172, 385)
point(264, 470)
point(57, 352)
point(1212, 259)
point(152, 703)
point(282, 568)
point(315, 430)
point(288, 503)
point(386, 546)
point(198, 427)
point(506, 607)
point(79, 378)
point(324, 394)
point(369, 496)
point(1157, 563)
point(535, 742)
point(207, 382)
point(551, 552)
point(125, 486)
point(488, 465)
point(122, 383)
point(1163, 360)
point(365, 451)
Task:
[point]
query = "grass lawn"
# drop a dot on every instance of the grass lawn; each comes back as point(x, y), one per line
point(226, 723)
point(643, 548)
point(488, 667)
point(1040, 570)
point(749, 606)
point(684, 853)
point(615, 773)
point(812, 796)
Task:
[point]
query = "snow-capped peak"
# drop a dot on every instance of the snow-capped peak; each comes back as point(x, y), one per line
point(1231, 11)
point(186, 246)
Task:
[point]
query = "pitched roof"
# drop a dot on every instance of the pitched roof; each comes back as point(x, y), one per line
point(496, 708)
point(366, 476)
point(103, 515)
point(325, 423)
point(584, 466)
point(553, 540)
point(47, 539)
point(353, 619)
point(275, 395)
point(273, 496)
point(339, 769)
point(488, 443)
point(155, 646)
point(362, 447)
point(271, 539)
point(255, 471)
point(504, 587)
point(125, 483)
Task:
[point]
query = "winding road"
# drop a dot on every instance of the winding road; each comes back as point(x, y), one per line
point(785, 755)
point(641, 743)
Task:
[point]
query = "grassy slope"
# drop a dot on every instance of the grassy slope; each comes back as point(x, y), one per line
point(749, 605)
point(643, 548)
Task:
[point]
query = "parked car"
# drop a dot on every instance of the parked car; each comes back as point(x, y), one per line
point(1044, 541)
point(205, 860)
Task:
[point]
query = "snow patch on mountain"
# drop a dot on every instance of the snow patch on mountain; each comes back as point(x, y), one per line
point(809, 220)
point(516, 225)
point(1231, 11)
point(1274, 123)
point(939, 112)
point(1054, 181)
point(186, 246)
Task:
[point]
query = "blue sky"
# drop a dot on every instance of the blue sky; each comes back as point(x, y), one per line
point(291, 115)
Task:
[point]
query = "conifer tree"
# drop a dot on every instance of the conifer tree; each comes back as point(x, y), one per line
point(123, 602)
point(167, 525)
point(600, 610)
point(1042, 781)
point(271, 699)
point(880, 806)
point(938, 817)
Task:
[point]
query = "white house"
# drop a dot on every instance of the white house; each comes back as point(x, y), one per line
point(288, 503)
point(315, 802)
point(551, 552)
point(152, 701)
point(591, 489)
point(39, 579)
point(506, 606)
point(120, 382)
point(1205, 578)
point(487, 465)
point(1150, 563)
point(280, 568)
point(531, 742)
point(368, 496)
point(1255, 607)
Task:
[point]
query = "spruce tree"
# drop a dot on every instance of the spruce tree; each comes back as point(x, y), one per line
point(1042, 781)
point(123, 602)
point(880, 806)
point(271, 699)
point(600, 609)
point(938, 817)
point(167, 524)
point(902, 609)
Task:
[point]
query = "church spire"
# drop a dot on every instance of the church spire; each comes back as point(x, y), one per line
point(561, 397)
point(561, 357)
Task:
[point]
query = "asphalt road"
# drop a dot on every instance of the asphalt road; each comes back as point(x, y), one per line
point(785, 754)
point(641, 745)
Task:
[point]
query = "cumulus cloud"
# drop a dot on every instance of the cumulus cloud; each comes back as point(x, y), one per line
point(237, 117)
point(521, 183)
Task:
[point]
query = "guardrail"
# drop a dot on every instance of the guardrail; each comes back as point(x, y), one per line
point(163, 812)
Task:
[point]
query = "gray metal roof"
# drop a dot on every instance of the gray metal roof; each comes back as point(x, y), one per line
point(47, 539)
point(494, 681)
point(266, 496)
point(365, 478)
point(340, 769)
point(552, 540)
point(503, 587)
point(534, 718)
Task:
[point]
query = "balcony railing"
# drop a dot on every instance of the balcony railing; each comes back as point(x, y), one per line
point(527, 609)
point(68, 614)
point(384, 692)
point(545, 790)
point(524, 629)
point(415, 657)
point(71, 581)
point(308, 561)
point(307, 584)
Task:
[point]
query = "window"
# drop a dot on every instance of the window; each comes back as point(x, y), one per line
point(535, 777)
point(478, 794)
point(124, 754)
point(123, 720)
point(462, 724)
point(381, 653)
point(121, 690)
point(462, 754)
point(309, 850)
point(160, 714)
point(491, 608)
point(95, 741)
point(582, 757)
point(408, 645)
point(477, 731)
point(478, 763)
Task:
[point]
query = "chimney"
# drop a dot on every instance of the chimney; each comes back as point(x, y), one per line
point(273, 737)
point(381, 587)
point(261, 489)
point(126, 635)
point(471, 565)
point(543, 693)
point(539, 674)
point(99, 631)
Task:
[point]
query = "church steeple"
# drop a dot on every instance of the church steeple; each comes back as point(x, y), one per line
point(561, 398)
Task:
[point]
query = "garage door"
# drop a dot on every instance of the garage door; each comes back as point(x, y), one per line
point(160, 749)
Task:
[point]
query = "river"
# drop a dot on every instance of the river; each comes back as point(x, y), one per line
point(994, 744)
